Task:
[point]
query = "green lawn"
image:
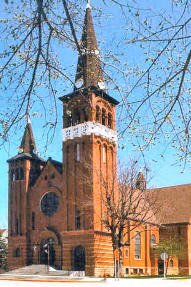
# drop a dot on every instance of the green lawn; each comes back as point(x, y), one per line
point(171, 277)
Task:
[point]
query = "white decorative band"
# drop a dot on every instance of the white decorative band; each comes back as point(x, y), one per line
point(89, 128)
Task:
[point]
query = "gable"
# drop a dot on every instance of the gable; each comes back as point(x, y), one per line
point(52, 172)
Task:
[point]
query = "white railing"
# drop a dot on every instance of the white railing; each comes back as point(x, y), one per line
point(89, 128)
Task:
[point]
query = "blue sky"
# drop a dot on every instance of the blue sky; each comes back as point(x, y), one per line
point(163, 170)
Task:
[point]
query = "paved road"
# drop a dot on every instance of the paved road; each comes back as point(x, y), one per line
point(109, 283)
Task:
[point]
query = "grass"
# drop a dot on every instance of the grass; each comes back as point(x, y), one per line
point(171, 277)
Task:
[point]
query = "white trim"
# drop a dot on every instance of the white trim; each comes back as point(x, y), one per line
point(89, 128)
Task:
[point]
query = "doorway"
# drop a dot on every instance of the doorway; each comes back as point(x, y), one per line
point(79, 258)
point(47, 252)
point(160, 267)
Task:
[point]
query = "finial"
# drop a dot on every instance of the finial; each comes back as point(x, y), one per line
point(88, 5)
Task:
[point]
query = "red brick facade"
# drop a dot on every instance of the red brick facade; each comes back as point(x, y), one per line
point(59, 206)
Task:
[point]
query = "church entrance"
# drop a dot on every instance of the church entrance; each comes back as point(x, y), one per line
point(47, 252)
point(160, 267)
point(79, 258)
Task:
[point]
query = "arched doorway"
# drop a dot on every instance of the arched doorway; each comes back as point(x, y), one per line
point(160, 267)
point(47, 252)
point(79, 258)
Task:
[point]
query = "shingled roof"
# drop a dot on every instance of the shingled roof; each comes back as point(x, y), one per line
point(28, 144)
point(27, 149)
point(89, 71)
point(175, 204)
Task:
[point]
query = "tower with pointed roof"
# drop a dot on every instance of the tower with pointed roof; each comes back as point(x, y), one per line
point(89, 155)
point(24, 168)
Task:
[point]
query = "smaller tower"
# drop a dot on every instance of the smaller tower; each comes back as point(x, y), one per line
point(141, 181)
point(24, 168)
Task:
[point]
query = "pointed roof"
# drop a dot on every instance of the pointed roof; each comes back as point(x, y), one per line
point(89, 71)
point(27, 149)
point(28, 144)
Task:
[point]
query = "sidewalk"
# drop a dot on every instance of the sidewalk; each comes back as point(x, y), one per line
point(49, 278)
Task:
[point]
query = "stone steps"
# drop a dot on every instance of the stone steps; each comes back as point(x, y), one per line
point(43, 270)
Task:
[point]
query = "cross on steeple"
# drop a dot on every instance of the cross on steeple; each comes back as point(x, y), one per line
point(88, 5)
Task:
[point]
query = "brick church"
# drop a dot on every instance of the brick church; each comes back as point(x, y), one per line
point(59, 204)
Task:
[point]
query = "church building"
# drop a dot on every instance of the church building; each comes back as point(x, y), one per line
point(55, 207)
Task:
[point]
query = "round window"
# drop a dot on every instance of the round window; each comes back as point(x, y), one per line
point(49, 203)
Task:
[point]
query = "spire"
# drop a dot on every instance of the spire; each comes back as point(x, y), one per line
point(89, 72)
point(28, 143)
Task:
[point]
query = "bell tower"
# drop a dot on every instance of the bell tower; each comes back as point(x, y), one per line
point(24, 168)
point(89, 154)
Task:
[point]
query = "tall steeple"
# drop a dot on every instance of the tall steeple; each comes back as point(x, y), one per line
point(28, 144)
point(89, 71)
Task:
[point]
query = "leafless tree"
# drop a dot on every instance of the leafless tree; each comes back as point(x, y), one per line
point(36, 35)
point(128, 205)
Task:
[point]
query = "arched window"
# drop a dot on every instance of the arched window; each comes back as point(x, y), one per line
point(111, 154)
point(83, 150)
point(17, 174)
point(85, 115)
point(69, 118)
point(21, 173)
point(79, 258)
point(17, 227)
point(17, 252)
point(104, 154)
point(77, 151)
point(67, 154)
point(153, 239)
point(137, 245)
point(97, 114)
point(171, 263)
point(77, 219)
point(33, 220)
point(103, 117)
point(99, 152)
point(12, 175)
point(109, 120)
point(77, 117)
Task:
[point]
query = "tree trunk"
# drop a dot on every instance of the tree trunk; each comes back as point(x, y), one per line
point(120, 261)
point(114, 264)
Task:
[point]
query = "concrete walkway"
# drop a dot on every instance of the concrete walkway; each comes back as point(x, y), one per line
point(155, 282)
